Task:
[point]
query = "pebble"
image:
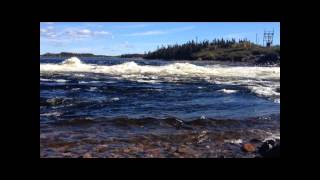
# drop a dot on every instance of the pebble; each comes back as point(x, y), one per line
point(87, 155)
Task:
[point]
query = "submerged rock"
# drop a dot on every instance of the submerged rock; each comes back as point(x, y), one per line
point(248, 147)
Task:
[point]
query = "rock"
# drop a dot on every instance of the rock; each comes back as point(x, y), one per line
point(126, 150)
point(183, 149)
point(153, 152)
point(202, 137)
point(248, 147)
point(102, 148)
point(87, 155)
point(67, 154)
point(270, 149)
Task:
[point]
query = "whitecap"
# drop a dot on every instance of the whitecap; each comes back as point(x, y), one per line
point(43, 79)
point(115, 99)
point(51, 114)
point(234, 141)
point(93, 88)
point(228, 91)
point(60, 80)
point(88, 82)
point(277, 100)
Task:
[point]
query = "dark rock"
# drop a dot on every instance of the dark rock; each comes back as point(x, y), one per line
point(270, 149)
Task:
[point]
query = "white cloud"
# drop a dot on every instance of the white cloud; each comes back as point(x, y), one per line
point(129, 26)
point(148, 33)
point(238, 35)
point(102, 33)
point(48, 33)
point(86, 33)
point(78, 33)
point(160, 32)
point(70, 33)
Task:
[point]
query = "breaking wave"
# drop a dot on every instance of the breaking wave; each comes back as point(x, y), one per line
point(183, 69)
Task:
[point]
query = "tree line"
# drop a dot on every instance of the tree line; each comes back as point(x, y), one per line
point(186, 51)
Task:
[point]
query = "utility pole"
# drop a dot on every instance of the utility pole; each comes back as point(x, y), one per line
point(268, 38)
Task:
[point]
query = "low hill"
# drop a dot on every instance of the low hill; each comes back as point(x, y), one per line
point(69, 54)
point(221, 50)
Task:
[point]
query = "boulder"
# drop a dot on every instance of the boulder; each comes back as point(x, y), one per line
point(248, 147)
point(270, 149)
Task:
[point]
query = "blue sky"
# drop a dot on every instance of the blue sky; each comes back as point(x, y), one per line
point(137, 37)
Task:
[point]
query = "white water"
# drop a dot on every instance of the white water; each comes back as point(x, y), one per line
point(228, 91)
point(261, 80)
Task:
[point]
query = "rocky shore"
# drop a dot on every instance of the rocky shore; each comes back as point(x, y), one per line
point(184, 142)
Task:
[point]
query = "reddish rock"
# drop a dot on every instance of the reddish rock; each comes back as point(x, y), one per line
point(87, 155)
point(126, 150)
point(248, 147)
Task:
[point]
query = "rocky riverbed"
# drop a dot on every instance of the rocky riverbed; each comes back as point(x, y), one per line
point(230, 139)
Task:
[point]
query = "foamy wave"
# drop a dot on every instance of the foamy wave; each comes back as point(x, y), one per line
point(72, 61)
point(277, 101)
point(183, 69)
point(60, 80)
point(88, 82)
point(228, 91)
point(51, 114)
point(234, 141)
point(264, 91)
point(54, 80)
point(262, 81)
point(115, 99)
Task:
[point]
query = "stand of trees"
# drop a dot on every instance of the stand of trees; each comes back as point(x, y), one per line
point(187, 51)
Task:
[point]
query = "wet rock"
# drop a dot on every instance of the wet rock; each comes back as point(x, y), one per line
point(248, 147)
point(126, 150)
point(42, 136)
point(102, 148)
point(68, 154)
point(113, 155)
point(153, 152)
point(87, 155)
point(172, 149)
point(54, 101)
point(270, 149)
point(176, 154)
point(183, 149)
point(202, 137)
